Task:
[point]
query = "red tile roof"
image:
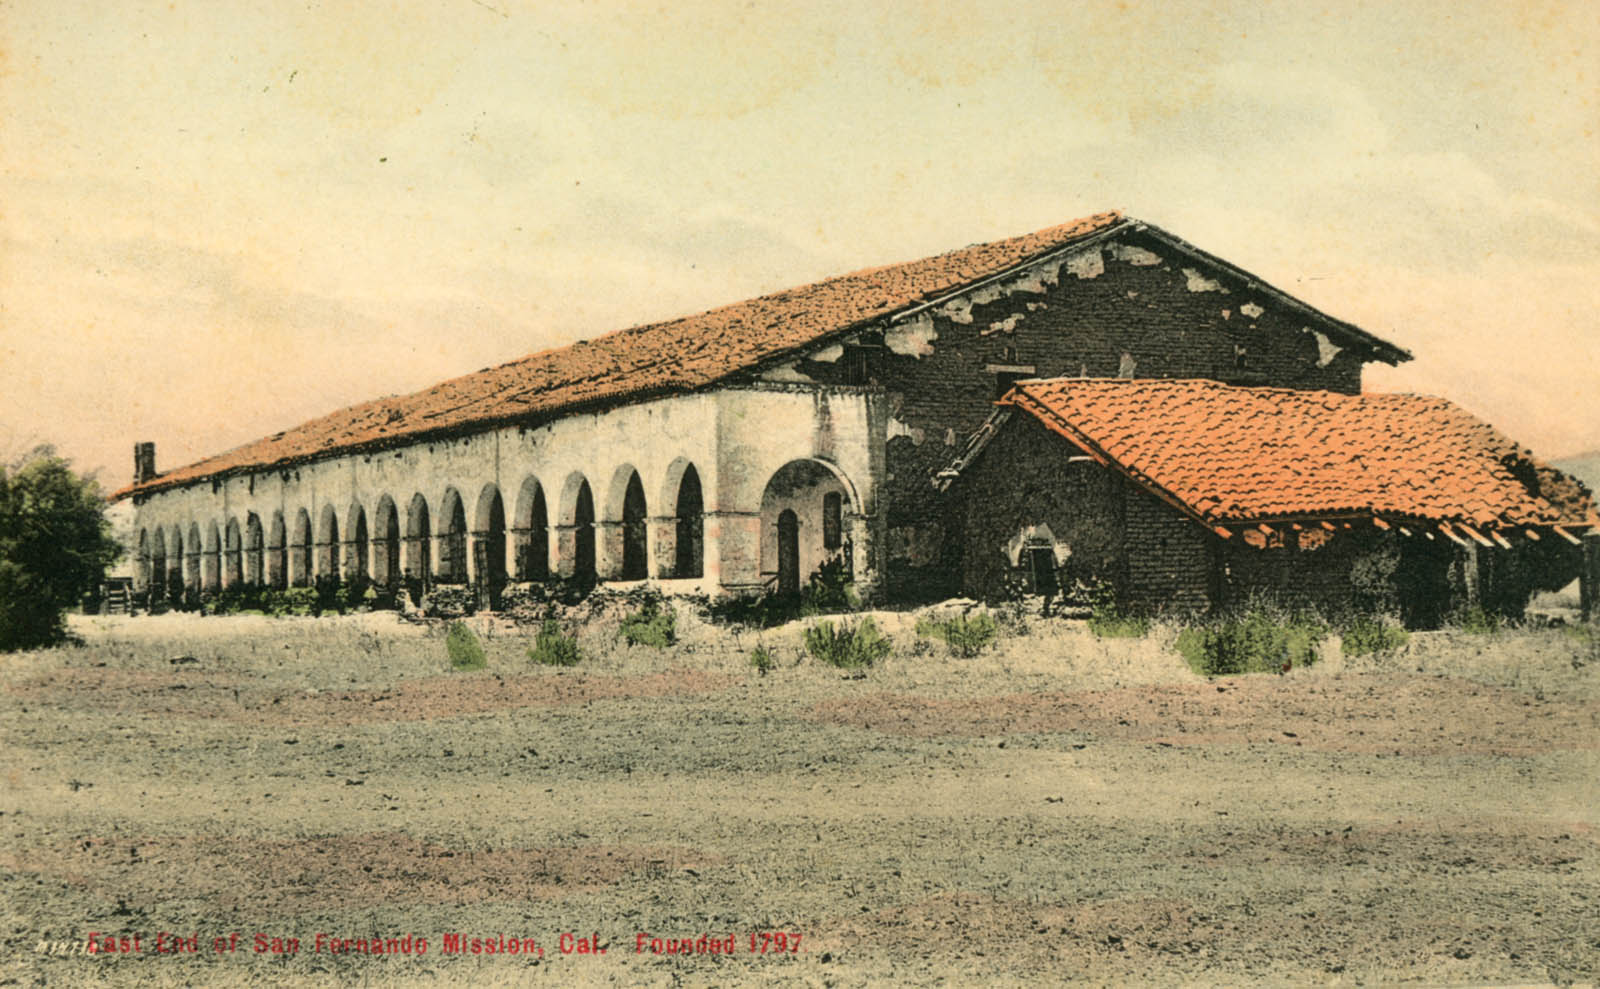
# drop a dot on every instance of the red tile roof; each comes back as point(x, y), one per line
point(676, 356)
point(1232, 454)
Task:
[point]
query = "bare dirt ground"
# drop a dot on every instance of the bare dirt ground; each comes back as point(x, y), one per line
point(1061, 809)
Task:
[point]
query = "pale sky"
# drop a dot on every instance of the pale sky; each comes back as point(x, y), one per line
point(218, 220)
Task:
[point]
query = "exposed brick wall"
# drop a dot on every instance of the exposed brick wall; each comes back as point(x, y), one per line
point(1170, 558)
point(1303, 579)
point(1023, 479)
point(1157, 559)
point(1161, 561)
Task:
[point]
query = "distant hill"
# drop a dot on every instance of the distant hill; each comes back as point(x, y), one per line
point(1584, 466)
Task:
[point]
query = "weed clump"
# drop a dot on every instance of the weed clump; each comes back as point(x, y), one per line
point(966, 637)
point(652, 625)
point(462, 645)
point(1262, 639)
point(552, 647)
point(848, 646)
point(761, 659)
point(1365, 635)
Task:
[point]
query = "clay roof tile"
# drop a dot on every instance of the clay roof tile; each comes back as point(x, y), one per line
point(1234, 454)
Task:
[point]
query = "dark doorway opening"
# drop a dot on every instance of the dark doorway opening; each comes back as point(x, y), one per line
point(635, 535)
point(583, 536)
point(690, 561)
point(788, 552)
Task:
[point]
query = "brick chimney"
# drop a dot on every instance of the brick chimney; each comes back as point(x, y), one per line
point(144, 462)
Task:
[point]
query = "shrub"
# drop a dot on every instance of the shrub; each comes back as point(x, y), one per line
point(965, 636)
point(653, 625)
point(357, 593)
point(462, 645)
point(552, 647)
point(1260, 640)
point(761, 659)
point(328, 597)
point(830, 589)
point(1107, 620)
point(1364, 635)
point(237, 598)
point(1476, 620)
point(289, 601)
point(847, 646)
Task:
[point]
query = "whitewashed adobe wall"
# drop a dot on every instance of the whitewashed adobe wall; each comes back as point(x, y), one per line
point(735, 439)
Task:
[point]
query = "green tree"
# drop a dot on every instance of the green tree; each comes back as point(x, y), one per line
point(55, 544)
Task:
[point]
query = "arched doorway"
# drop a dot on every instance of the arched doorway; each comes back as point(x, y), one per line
point(158, 568)
point(453, 540)
point(689, 525)
point(635, 532)
point(255, 546)
point(355, 550)
point(577, 530)
point(175, 568)
point(419, 551)
point(211, 563)
point(806, 513)
point(386, 545)
point(300, 550)
point(233, 555)
point(489, 547)
point(194, 551)
point(328, 546)
point(532, 533)
point(277, 553)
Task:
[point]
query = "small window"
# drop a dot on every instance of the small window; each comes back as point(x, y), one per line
point(855, 365)
point(832, 520)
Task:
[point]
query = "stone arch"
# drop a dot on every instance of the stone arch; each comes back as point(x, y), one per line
point(804, 487)
point(419, 548)
point(158, 566)
point(255, 547)
point(328, 544)
point(175, 566)
point(233, 555)
point(680, 541)
point(531, 532)
point(489, 545)
point(452, 565)
point(278, 552)
point(211, 560)
point(626, 527)
point(576, 532)
point(194, 554)
point(301, 547)
point(386, 544)
point(355, 547)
